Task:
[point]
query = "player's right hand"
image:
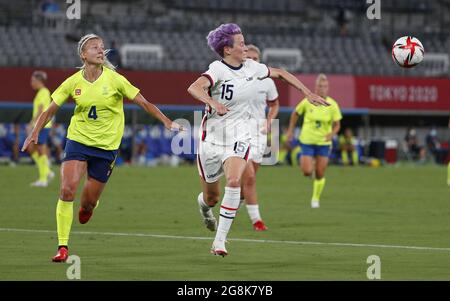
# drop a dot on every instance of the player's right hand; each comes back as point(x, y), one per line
point(32, 138)
point(219, 108)
point(316, 100)
point(289, 136)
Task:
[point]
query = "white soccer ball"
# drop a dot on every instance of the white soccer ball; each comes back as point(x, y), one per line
point(407, 52)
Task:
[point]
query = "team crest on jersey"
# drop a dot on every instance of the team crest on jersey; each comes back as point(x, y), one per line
point(77, 92)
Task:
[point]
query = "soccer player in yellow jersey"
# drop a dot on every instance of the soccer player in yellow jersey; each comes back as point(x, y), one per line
point(39, 152)
point(94, 133)
point(448, 165)
point(320, 124)
point(347, 144)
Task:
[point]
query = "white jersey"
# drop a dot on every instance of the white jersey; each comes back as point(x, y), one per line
point(234, 87)
point(265, 91)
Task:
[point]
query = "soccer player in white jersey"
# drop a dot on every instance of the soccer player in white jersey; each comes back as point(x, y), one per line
point(266, 96)
point(225, 135)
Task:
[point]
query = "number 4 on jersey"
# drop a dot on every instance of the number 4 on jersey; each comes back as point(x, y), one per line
point(93, 113)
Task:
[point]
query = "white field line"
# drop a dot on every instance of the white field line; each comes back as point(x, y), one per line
point(270, 241)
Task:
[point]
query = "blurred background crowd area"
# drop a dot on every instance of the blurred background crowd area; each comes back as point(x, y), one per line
point(332, 36)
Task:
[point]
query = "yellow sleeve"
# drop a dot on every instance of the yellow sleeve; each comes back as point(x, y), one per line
point(62, 93)
point(126, 88)
point(40, 98)
point(44, 98)
point(300, 108)
point(336, 115)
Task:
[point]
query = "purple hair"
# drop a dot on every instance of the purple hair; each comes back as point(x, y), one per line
point(222, 36)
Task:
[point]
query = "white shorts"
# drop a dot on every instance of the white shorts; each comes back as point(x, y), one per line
point(210, 158)
point(258, 147)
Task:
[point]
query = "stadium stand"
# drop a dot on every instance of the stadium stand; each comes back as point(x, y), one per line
point(180, 27)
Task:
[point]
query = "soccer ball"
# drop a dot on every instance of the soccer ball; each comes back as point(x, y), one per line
point(407, 52)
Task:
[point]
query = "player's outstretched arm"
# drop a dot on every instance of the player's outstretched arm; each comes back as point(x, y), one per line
point(155, 112)
point(334, 131)
point(42, 120)
point(292, 122)
point(293, 81)
point(198, 90)
point(274, 107)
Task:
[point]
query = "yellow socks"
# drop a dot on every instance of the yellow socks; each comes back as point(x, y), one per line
point(344, 156)
point(42, 165)
point(37, 161)
point(345, 161)
point(355, 158)
point(64, 216)
point(317, 188)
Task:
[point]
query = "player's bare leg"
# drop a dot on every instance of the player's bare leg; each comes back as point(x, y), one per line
point(71, 174)
point(89, 199)
point(307, 165)
point(206, 201)
point(250, 195)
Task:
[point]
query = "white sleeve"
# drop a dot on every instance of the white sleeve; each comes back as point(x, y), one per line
point(272, 92)
point(262, 71)
point(214, 73)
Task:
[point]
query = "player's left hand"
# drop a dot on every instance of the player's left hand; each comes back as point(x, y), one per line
point(175, 127)
point(328, 137)
point(32, 138)
point(266, 128)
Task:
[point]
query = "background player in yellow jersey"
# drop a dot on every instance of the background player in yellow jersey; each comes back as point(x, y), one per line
point(320, 124)
point(448, 165)
point(38, 152)
point(94, 133)
point(347, 145)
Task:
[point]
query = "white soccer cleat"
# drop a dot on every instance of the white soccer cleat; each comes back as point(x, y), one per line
point(39, 184)
point(315, 204)
point(208, 218)
point(50, 175)
point(448, 183)
point(218, 248)
point(211, 223)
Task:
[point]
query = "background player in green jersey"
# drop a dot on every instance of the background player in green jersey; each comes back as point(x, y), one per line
point(94, 133)
point(38, 152)
point(320, 124)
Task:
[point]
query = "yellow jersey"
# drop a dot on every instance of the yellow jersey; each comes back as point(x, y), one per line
point(98, 118)
point(317, 121)
point(43, 99)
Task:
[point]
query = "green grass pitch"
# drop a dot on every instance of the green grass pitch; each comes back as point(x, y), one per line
point(148, 227)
